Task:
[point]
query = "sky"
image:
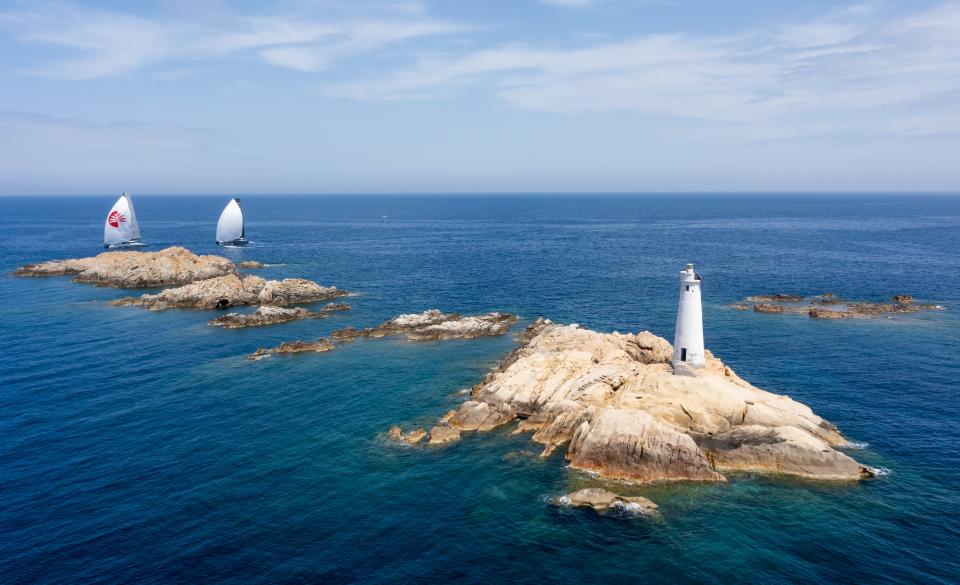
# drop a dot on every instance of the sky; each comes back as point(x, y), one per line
point(222, 96)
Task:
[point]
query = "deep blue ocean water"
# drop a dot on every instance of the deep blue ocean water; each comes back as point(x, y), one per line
point(141, 446)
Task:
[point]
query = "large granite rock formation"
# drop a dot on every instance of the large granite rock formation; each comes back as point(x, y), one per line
point(129, 269)
point(234, 290)
point(434, 324)
point(614, 399)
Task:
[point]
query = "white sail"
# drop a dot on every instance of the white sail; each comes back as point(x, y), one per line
point(230, 227)
point(121, 225)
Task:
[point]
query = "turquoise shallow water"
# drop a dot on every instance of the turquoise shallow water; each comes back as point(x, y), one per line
point(141, 446)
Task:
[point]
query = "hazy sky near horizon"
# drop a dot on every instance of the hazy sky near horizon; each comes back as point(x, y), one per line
point(227, 96)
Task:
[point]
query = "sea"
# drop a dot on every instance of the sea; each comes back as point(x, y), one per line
point(142, 447)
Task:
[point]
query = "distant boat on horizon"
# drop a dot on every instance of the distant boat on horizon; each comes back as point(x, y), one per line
point(121, 227)
point(230, 228)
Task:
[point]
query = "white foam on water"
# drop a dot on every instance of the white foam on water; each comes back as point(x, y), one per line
point(855, 445)
point(879, 471)
point(632, 509)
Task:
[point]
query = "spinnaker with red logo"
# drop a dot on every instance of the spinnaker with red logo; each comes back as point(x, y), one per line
point(121, 227)
point(230, 229)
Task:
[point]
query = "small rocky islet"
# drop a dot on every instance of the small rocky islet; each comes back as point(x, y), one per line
point(829, 306)
point(430, 325)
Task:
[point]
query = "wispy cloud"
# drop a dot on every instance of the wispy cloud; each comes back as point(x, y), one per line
point(850, 61)
point(107, 43)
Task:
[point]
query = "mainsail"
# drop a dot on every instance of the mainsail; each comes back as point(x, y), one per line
point(121, 226)
point(230, 227)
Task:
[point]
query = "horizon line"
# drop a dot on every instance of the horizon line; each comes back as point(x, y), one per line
point(493, 193)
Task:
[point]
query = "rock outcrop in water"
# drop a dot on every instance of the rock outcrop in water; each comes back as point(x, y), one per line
point(318, 346)
point(828, 306)
point(615, 401)
point(271, 315)
point(433, 325)
point(602, 501)
point(130, 269)
point(235, 290)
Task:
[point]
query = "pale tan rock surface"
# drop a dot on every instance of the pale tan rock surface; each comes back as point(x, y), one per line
point(433, 325)
point(130, 269)
point(602, 501)
point(614, 399)
point(442, 434)
point(234, 290)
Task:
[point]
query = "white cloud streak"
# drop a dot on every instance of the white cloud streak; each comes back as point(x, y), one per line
point(849, 62)
point(105, 44)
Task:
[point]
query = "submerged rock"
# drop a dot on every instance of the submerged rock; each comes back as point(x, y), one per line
point(602, 500)
point(130, 269)
point(434, 324)
point(250, 264)
point(776, 298)
point(318, 346)
point(615, 401)
point(235, 290)
point(270, 315)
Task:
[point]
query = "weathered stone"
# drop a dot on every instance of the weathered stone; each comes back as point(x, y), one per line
point(318, 346)
point(411, 438)
point(270, 315)
point(602, 501)
point(777, 298)
point(434, 325)
point(235, 290)
point(250, 264)
point(828, 306)
point(441, 434)
point(130, 269)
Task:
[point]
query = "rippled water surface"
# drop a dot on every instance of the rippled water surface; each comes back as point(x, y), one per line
point(141, 446)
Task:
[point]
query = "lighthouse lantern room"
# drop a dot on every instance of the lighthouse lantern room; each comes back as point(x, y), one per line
point(688, 341)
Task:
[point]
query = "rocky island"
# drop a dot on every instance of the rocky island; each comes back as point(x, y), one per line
point(616, 403)
point(429, 325)
point(319, 346)
point(829, 306)
point(130, 269)
point(271, 315)
point(235, 290)
point(434, 324)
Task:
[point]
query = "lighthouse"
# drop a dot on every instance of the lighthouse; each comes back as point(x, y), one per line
point(688, 341)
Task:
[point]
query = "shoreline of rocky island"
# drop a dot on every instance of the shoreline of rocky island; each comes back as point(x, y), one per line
point(617, 405)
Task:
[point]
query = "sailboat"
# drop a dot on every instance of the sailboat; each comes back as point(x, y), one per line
point(230, 230)
point(121, 227)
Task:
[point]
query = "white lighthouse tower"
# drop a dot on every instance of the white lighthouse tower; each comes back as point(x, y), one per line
point(688, 342)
